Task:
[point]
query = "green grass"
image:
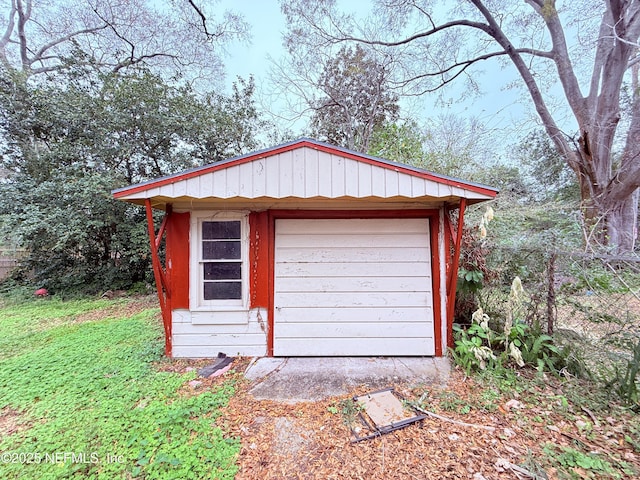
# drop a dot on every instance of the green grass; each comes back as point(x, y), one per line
point(93, 405)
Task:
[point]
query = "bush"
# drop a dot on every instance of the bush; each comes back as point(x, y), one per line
point(480, 346)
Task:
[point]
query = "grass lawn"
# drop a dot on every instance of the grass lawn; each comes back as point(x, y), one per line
point(80, 398)
point(85, 392)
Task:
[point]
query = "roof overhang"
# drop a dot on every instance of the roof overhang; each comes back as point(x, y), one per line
point(306, 172)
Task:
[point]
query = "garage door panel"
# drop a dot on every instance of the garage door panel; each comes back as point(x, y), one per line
point(353, 284)
point(335, 347)
point(359, 314)
point(362, 269)
point(352, 299)
point(307, 227)
point(352, 240)
point(353, 287)
point(351, 254)
point(354, 330)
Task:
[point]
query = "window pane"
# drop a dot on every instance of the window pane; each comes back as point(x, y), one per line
point(220, 230)
point(223, 290)
point(222, 271)
point(220, 250)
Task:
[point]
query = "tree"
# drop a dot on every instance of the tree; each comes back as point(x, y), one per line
point(70, 144)
point(47, 37)
point(436, 47)
point(399, 141)
point(549, 176)
point(355, 99)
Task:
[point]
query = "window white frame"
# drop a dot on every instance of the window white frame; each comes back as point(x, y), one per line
point(196, 275)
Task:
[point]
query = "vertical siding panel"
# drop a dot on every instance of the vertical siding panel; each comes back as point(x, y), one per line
point(272, 176)
point(206, 186)
point(233, 182)
point(312, 177)
point(364, 179)
point(351, 178)
point(391, 183)
point(404, 185)
point(378, 183)
point(245, 188)
point(298, 171)
point(219, 183)
point(417, 187)
point(182, 188)
point(431, 188)
point(337, 176)
point(325, 162)
point(285, 161)
point(259, 178)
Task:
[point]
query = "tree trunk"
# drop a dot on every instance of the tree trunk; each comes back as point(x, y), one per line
point(621, 224)
point(608, 222)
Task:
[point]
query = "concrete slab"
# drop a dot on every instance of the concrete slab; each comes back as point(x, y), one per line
point(301, 379)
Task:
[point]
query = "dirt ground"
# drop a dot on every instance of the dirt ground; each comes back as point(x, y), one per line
point(481, 434)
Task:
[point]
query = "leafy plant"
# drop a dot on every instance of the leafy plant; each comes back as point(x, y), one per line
point(349, 409)
point(625, 383)
point(479, 346)
point(471, 349)
point(591, 465)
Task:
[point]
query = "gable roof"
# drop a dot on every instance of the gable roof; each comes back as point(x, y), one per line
point(305, 169)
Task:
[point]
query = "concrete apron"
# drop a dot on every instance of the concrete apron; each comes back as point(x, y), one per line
point(302, 379)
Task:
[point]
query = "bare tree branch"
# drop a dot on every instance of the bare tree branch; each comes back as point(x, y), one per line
point(203, 18)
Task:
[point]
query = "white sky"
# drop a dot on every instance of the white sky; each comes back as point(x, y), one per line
point(502, 111)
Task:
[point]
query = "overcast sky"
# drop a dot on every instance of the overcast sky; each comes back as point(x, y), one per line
point(501, 110)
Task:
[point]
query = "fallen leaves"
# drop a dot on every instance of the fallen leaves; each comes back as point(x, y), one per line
point(469, 436)
point(306, 440)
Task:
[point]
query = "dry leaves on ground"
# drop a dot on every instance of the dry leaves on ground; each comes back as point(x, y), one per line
point(310, 440)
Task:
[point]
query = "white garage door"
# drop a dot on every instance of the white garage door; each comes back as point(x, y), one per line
point(353, 287)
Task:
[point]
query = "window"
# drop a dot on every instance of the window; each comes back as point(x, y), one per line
point(219, 256)
point(222, 260)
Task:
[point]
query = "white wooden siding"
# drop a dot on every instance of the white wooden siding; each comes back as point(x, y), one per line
point(353, 287)
point(306, 173)
point(204, 334)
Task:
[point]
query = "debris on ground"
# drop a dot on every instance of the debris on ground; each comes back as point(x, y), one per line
point(468, 433)
point(221, 365)
point(381, 412)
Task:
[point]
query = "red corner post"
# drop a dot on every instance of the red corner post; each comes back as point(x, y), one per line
point(453, 273)
point(159, 273)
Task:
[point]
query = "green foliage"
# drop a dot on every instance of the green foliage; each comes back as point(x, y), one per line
point(591, 465)
point(91, 388)
point(469, 280)
point(479, 346)
point(547, 172)
point(450, 402)
point(472, 349)
point(400, 142)
point(540, 350)
point(348, 409)
point(624, 381)
point(78, 239)
point(71, 140)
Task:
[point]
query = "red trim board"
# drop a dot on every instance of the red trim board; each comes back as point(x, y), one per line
point(164, 294)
